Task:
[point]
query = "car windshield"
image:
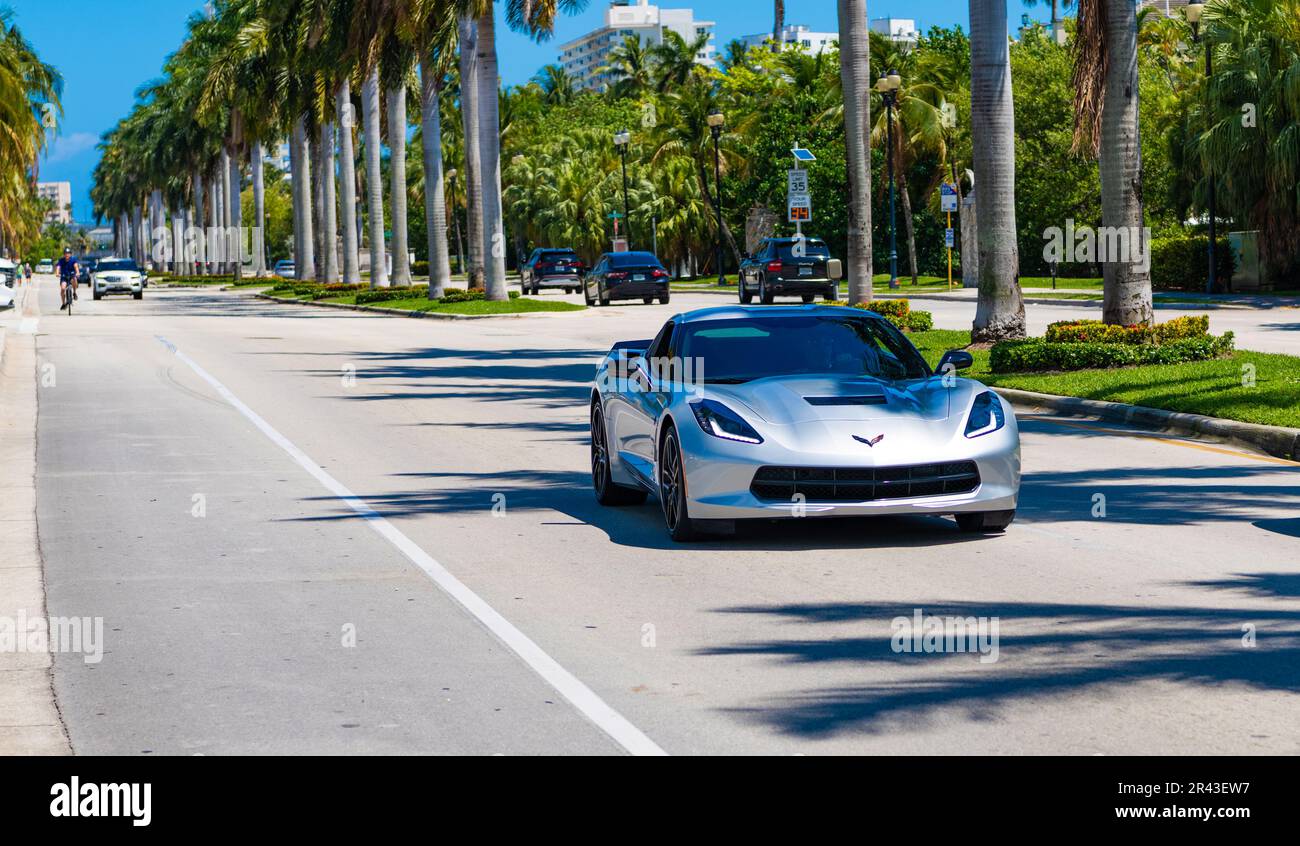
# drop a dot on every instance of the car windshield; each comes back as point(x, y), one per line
point(120, 264)
point(741, 349)
point(812, 248)
point(633, 260)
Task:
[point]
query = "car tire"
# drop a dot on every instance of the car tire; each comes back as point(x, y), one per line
point(672, 490)
point(602, 295)
point(746, 296)
point(647, 300)
point(139, 295)
point(607, 491)
point(586, 297)
point(985, 522)
point(832, 293)
point(97, 295)
point(807, 298)
point(765, 296)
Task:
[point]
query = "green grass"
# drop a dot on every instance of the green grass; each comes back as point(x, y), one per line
point(1059, 295)
point(519, 305)
point(1213, 388)
point(1061, 282)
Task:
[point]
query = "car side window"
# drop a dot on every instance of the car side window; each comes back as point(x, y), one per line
point(659, 346)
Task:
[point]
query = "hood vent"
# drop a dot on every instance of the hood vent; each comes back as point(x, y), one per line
point(870, 399)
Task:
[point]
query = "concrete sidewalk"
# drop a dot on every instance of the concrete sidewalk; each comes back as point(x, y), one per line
point(29, 718)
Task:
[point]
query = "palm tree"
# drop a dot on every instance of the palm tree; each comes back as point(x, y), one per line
point(676, 59)
point(1000, 313)
point(494, 258)
point(468, 88)
point(558, 88)
point(630, 68)
point(778, 24)
point(1058, 25)
point(1105, 83)
point(855, 76)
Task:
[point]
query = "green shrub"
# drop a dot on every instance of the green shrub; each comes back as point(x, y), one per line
point(1037, 354)
point(1094, 331)
point(420, 268)
point(889, 308)
point(1180, 262)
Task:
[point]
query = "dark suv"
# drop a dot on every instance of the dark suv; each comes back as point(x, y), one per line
point(626, 276)
point(789, 267)
point(551, 268)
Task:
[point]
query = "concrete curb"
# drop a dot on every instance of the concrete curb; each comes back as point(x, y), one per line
point(401, 312)
point(1277, 441)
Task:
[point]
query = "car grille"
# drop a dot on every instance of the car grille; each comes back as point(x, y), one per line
point(862, 484)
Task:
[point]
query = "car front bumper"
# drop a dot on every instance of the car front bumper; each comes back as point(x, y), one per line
point(118, 287)
point(719, 472)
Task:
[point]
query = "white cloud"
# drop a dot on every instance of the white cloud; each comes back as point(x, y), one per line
point(68, 146)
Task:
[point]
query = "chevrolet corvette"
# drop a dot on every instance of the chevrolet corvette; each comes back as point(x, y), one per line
point(742, 412)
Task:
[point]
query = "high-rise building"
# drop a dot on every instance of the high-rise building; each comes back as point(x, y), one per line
point(902, 30)
point(584, 58)
point(796, 35)
point(60, 194)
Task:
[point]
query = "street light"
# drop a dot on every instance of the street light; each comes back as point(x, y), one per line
point(716, 123)
point(888, 86)
point(1194, 11)
point(621, 140)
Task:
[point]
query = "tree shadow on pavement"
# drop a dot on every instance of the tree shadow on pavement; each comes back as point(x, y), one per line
point(1046, 650)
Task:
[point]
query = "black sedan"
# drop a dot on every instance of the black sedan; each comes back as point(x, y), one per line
point(551, 268)
point(626, 276)
point(789, 267)
point(86, 270)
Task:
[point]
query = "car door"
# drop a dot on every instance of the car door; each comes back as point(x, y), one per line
point(646, 394)
point(590, 282)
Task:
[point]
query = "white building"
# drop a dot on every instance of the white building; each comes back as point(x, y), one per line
point(60, 194)
point(1169, 8)
point(902, 30)
point(584, 57)
point(797, 35)
point(278, 156)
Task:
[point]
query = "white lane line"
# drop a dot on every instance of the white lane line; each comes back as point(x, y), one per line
point(578, 694)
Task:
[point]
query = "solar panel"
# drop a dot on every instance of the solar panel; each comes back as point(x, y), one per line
point(803, 155)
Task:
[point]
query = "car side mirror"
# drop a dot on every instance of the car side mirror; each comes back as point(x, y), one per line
point(835, 269)
point(958, 359)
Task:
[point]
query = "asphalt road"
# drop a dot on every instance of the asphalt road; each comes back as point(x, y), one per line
point(227, 632)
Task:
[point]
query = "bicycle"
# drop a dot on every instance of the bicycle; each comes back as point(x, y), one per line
point(67, 292)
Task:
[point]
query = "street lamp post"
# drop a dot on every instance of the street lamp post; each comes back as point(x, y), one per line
point(716, 122)
point(888, 87)
point(621, 140)
point(1194, 11)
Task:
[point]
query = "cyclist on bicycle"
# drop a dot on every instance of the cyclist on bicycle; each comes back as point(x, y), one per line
point(67, 270)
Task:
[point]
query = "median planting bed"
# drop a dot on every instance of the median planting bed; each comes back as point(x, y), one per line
point(1237, 385)
point(416, 298)
point(898, 312)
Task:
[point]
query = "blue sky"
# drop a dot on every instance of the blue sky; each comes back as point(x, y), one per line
point(108, 49)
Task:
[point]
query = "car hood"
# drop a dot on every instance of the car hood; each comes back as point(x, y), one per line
point(787, 400)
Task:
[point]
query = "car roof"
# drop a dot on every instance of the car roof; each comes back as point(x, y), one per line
point(733, 312)
point(807, 239)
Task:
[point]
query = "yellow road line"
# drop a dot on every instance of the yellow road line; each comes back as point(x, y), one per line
point(1169, 440)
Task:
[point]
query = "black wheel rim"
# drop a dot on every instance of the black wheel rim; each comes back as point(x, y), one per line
point(599, 454)
point(670, 483)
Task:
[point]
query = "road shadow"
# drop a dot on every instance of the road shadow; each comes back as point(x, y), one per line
point(1046, 650)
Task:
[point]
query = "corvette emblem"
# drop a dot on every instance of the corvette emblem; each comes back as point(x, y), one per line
point(870, 441)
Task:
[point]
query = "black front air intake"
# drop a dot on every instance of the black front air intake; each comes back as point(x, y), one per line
point(864, 484)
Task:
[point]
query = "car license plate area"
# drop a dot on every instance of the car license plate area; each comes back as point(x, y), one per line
point(638, 277)
point(805, 271)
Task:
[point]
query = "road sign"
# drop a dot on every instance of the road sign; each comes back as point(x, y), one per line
point(947, 199)
point(949, 240)
point(800, 208)
point(620, 245)
point(798, 182)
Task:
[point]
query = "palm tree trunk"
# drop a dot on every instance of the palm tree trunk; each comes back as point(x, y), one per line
point(329, 215)
point(236, 234)
point(494, 243)
point(435, 200)
point(855, 75)
point(317, 203)
point(1000, 313)
point(909, 226)
point(259, 211)
point(1126, 282)
point(306, 259)
point(216, 239)
point(295, 179)
point(469, 108)
point(348, 185)
point(397, 189)
point(374, 179)
point(778, 25)
point(196, 221)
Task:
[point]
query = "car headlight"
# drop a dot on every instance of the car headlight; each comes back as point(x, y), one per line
point(986, 415)
point(721, 422)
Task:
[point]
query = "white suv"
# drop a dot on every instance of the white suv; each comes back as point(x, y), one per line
point(117, 276)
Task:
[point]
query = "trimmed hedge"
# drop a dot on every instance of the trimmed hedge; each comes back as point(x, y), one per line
point(897, 312)
point(1180, 262)
point(1094, 331)
point(1038, 354)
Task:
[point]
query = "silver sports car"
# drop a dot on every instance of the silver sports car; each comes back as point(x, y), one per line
point(799, 411)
